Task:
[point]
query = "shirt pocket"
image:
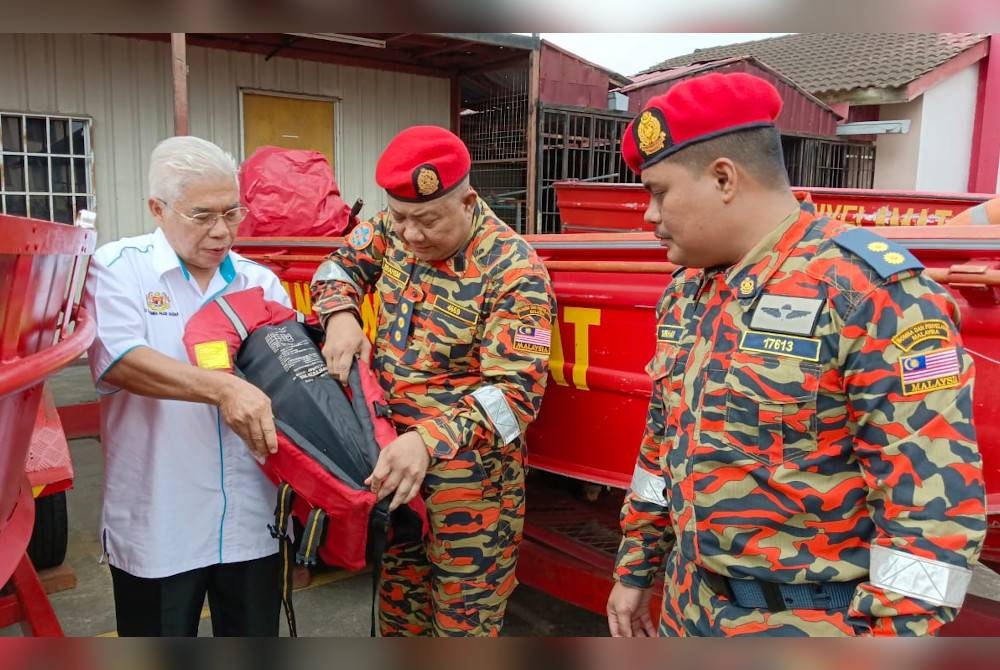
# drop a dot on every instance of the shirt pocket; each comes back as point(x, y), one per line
point(770, 407)
point(446, 335)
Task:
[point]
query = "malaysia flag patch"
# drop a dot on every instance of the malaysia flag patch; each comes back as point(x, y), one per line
point(531, 340)
point(930, 371)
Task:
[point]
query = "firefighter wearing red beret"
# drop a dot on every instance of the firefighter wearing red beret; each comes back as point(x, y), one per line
point(461, 349)
point(809, 464)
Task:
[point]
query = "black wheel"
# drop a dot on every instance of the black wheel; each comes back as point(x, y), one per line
point(47, 547)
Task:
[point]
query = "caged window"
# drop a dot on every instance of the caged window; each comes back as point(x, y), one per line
point(46, 166)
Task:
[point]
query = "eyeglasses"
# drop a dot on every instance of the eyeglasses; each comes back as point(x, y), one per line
point(232, 217)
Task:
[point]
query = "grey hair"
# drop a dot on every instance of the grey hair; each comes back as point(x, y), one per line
point(177, 161)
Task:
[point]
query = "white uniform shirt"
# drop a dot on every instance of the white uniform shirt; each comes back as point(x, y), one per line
point(181, 490)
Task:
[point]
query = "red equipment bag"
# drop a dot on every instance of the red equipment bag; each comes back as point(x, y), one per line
point(291, 193)
point(329, 437)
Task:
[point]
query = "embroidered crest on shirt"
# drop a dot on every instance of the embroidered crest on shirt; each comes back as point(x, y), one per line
point(157, 302)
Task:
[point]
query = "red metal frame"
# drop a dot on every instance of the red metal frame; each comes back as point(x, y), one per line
point(39, 264)
point(986, 131)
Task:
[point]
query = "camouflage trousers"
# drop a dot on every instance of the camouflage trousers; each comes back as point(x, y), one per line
point(691, 608)
point(457, 581)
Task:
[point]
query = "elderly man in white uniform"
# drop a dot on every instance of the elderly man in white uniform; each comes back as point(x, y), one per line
point(185, 506)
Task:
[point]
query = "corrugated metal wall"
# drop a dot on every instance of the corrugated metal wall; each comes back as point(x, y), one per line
point(125, 86)
point(566, 80)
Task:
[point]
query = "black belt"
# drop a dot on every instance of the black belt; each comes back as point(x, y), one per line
point(755, 593)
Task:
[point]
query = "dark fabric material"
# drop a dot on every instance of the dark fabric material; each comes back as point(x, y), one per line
point(244, 599)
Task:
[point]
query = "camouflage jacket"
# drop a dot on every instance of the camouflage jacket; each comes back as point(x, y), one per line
point(811, 420)
point(461, 345)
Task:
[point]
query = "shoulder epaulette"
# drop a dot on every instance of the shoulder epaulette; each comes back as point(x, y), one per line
point(885, 257)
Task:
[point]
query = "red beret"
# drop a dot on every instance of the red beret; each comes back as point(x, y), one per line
point(695, 110)
point(422, 163)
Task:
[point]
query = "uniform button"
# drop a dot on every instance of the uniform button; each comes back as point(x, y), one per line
point(396, 337)
point(400, 322)
point(404, 308)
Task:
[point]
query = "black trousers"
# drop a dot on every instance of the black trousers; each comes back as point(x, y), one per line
point(244, 598)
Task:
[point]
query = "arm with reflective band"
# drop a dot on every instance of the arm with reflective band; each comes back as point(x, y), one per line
point(344, 278)
point(917, 449)
point(514, 376)
point(645, 518)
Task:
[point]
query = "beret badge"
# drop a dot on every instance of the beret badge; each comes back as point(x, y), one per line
point(427, 181)
point(649, 132)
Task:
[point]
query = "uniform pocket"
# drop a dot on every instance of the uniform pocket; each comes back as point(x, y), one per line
point(770, 407)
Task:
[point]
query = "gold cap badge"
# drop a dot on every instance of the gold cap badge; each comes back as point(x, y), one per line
point(650, 133)
point(427, 182)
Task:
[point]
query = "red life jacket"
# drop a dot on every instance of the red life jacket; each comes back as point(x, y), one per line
point(328, 437)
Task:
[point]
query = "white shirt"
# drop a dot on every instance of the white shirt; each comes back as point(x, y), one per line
point(181, 490)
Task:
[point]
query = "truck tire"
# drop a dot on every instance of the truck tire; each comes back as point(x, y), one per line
point(47, 547)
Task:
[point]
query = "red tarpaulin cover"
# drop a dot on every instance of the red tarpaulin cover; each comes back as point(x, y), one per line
point(291, 193)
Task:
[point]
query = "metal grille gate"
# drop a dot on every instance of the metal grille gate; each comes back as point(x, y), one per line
point(829, 163)
point(577, 143)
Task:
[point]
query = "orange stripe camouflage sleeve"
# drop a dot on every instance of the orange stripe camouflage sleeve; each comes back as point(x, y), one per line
point(347, 275)
point(514, 361)
point(646, 531)
point(908, 381)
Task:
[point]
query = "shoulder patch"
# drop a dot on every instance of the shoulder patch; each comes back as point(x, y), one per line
point(885, 257)
point(362, 236)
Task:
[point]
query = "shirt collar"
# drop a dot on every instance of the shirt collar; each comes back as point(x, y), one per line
point(755, 268)
point(166, 259)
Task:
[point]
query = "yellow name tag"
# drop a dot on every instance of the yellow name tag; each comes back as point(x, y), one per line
point(806, 348)
point(393, 272)
point(454, 310)
point(212, 355)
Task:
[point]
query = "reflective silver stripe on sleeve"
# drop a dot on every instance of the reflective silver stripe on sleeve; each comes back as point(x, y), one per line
point(233, 317)
point(978, 215)
point(648, 487)
point(330, 271)
point(936, 582)
point(491, 399)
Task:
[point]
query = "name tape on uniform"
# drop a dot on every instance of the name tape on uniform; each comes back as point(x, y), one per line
point(806, 348)
point(669, 333)
point(393, 272)
point(454, 310)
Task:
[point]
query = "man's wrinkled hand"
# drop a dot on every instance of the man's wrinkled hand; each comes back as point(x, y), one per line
point(345, 339)
point(401, 467)
point(628, 612)
point(247, 410)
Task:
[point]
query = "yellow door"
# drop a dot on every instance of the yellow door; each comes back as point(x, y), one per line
point(292, 123)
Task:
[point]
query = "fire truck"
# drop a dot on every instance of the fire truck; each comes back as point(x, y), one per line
point(608, 273)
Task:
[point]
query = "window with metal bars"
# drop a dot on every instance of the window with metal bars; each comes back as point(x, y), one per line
point(829, 163)
point(46, 166)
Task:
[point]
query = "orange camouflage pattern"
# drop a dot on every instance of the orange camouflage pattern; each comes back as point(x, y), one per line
point(786, 455)
point(475, 323)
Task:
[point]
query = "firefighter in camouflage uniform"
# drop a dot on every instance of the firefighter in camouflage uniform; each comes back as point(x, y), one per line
point(809, 465)
point(461, 350)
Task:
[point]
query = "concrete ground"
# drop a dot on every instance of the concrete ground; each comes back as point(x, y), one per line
point(335, 604)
